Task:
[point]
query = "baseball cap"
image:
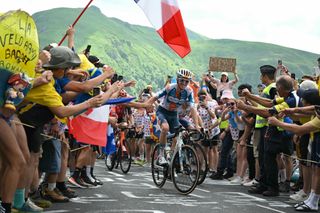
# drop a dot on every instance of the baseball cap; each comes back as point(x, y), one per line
point(309, 95)
point(224, 73)
point(62, 57)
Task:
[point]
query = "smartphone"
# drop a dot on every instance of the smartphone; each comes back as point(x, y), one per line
point(96, 91)
point(120, 78)
point(87, 50)
point(293, 76)
point(317, 109)
point(279, 62)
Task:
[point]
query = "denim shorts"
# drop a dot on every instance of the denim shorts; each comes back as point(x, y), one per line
point(169, 117)
point(51, 157)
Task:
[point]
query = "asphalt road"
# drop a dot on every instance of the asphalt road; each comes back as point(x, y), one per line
point(136, 192)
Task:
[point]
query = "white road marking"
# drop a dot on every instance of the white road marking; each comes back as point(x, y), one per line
point(275, 210)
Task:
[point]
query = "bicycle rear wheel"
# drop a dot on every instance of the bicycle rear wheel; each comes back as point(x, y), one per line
point(125, 158)
point(203, 163)
point(185, 170)
point(110, 160)
point(159, 173)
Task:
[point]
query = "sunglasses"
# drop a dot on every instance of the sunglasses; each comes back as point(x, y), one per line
point(183, 81)
point(230, 104)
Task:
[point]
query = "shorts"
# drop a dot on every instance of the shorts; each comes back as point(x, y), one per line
point(169, 117)
point(315, 149)
point(186, 124)
point(139, 135)
point(302, 149)
point(211, 142)
point(149, 140)
point(51, 156)
point(37, 117)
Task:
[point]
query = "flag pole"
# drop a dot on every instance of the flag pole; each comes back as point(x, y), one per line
point(77, 19)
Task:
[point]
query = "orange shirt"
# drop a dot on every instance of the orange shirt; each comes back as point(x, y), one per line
point(195, 87)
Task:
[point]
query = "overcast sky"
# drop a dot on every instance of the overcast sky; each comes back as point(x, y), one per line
point(289, 23)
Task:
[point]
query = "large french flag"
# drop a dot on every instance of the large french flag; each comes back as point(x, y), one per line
point(166, 17)
point(91, 126)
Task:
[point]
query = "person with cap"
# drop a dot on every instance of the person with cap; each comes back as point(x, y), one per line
point(309, 96)
point(45, 102)
point(267, 78)
point(275, 140)
point(224, 83)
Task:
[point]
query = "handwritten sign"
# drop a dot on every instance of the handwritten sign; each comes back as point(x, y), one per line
point(19, 47)
point(217, 64)
point(19, 43)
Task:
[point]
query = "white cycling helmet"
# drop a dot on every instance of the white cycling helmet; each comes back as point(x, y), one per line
point(184, 73)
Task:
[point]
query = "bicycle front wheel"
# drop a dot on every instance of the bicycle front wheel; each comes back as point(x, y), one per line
point(125, 158)
point(185, 170)
point(159, 172)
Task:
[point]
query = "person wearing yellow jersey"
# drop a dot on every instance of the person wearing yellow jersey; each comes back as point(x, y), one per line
point(313, 126)
point(275, 141)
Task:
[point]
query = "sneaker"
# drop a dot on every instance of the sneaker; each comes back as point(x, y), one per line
point(97, 181)
point(216, 176)
point(147, 165)
point(39, 200)
point(257, 189)
point(77, 182)
point(284, 186)
point(2, 210)
point(29, 206)
point(236, 180)
point(162, 161)
point(88, 181)
point(228, 175)
point(299, 196)
point(270, 193)
point(251, 183)
point(55, 196)
point(69, 193)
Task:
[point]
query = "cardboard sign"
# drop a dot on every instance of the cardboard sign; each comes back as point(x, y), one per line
point(217, 64)
point(19, 47)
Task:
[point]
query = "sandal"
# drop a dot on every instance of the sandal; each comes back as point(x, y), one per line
point(299, 204)
point(305, 208)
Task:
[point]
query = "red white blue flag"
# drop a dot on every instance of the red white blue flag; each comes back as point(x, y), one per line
point(166, 18)
point(91, 126)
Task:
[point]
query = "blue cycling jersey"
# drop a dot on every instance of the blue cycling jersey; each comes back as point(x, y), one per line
point(172, 99)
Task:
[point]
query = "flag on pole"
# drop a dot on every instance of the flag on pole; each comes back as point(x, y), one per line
point(166, 17)
point(91, 126)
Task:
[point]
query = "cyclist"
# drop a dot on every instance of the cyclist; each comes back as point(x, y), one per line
point(174, 96)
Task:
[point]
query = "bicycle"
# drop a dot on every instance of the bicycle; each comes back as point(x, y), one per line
point(183, 167)
point(122, 155)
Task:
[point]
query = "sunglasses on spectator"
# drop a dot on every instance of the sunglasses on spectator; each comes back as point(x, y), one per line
point(230, 104)
point(183, 81)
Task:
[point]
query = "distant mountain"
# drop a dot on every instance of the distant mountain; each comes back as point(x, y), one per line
point(138, 52)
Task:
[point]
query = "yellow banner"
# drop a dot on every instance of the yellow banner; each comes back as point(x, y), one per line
point(19, 44)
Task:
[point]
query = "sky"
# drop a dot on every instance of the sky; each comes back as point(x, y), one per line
point(289, 23)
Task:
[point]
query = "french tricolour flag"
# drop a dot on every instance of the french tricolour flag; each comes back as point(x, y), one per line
point(91, 126)
point(165, 16)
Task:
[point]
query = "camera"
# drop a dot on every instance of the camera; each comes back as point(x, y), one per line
point(116, 77)
point(96, 91)
point(87, 50)
point(146, 91)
